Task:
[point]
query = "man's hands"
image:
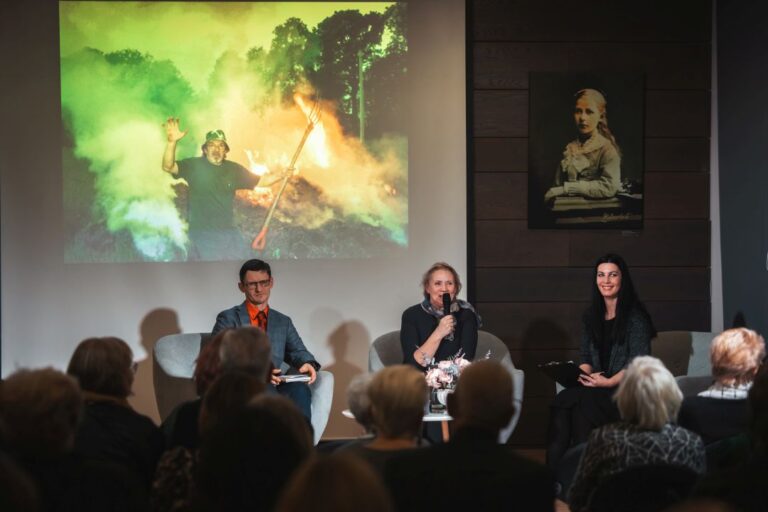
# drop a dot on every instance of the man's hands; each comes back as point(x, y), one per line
point(308, 368)
point(172, 130)
point(305, 368)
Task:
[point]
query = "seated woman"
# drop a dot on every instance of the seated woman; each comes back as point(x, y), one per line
point(648, 400)
point(110, 429)
point(427, 333)
point(591, 165)
point(616, 329)
point(397, 397)
point(721, 411)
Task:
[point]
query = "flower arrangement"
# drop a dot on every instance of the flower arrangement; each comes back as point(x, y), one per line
point(445, 374)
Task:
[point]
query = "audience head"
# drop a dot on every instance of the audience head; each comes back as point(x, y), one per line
point(335, 483)
point(398, 394)
point(245, 460)
point(208, 364)
point(648, 395)
point(247, 349)
point(736, 354)
point(229, 394)
point(40, 410)
point(104, 366)
point(358, 401)
point(483, 397)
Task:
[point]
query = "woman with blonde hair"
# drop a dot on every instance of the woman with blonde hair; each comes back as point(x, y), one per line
point(720, 411)
point(591, 164)
point(649, 400)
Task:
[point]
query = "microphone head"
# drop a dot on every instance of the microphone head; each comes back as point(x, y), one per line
point(446, 303)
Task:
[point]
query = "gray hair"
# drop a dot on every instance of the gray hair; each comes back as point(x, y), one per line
point(648, 395)
point(358, 401)
point(246, 348)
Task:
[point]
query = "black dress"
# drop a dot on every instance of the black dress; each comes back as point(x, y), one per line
point(417, 325)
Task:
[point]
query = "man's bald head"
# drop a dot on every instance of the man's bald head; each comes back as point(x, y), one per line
point(483, 397)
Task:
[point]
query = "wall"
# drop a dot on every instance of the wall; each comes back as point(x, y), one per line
point(531, 286)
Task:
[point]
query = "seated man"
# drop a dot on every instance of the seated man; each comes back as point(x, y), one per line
point(472, 471)
point(256, 284)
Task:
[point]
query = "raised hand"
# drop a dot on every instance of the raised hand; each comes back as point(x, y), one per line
point(172, 130)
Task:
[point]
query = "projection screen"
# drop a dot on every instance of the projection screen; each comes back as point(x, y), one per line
point(343, 124)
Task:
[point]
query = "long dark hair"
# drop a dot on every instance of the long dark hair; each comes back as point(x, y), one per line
point(626, 302)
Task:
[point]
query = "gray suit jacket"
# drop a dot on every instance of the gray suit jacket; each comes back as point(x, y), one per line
point(286, 342)
point(637, 343)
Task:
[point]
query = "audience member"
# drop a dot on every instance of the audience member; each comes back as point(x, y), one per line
point(472, 471)
point(40, 410)
point(110, 429)
point(648, 399)
point(244, 348)
point(615, 329)
point(721, 411)
point(398, 395)
point(359, 403)
point(227, 397)
point(744, 486)
point(17, 490)
point(335, 483)
point(245, 461)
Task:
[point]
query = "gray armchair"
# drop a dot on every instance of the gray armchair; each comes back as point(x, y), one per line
point(686, 355)
point(386, 351)
point(174, 364)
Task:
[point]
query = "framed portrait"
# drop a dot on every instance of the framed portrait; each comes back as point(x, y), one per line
point(585, 151)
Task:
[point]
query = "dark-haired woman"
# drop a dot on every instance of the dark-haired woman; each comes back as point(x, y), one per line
point(616, 329)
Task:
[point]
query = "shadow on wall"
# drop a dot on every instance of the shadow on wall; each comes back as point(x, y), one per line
point(349, 344)
point(156, 324)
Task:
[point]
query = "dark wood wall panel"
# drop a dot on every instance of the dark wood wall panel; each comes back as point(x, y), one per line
point(506, 65)
point(532, 286)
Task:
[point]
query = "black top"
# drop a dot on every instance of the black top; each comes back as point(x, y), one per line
point(116, 433)
point(713, 418)
point(212, 191)
point(605, 346)
point(180, 427)
point(637, 342)
point(417, 325)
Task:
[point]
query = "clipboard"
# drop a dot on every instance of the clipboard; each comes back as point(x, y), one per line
point(565, 373)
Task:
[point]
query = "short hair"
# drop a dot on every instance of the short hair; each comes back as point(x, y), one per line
point(735, 355)
point(103, 365)
point(207, 364)
point(229, 394)
point(40, 410)
point(254, 265)
point(245, 460)
point(440, 265)
point(398, 395)
point(483, 397)
point(648, 395)
point(335, 483)
point(246, 348)
point(358, 401)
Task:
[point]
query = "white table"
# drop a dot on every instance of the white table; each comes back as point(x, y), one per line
point(442, 417)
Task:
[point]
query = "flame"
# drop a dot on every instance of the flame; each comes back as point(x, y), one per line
point(317, 142)
point(255, 167)
point(259, 196)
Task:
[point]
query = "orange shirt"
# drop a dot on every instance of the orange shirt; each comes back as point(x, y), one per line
point(258, 317)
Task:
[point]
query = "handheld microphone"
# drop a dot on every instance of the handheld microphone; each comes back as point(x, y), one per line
point(446, 303)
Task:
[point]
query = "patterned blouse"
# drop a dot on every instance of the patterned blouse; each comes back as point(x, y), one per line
point(619, 446)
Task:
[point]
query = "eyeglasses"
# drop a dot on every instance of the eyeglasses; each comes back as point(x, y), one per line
point(253, 285)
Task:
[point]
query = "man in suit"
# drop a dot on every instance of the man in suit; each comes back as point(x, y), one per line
point(256, 283)
point(472, 471)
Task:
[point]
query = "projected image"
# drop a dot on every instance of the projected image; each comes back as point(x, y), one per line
point(223, 131)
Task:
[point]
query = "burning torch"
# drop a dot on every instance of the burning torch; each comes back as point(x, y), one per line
point(260, 242)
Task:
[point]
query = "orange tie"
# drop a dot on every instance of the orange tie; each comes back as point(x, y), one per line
point(261, 321)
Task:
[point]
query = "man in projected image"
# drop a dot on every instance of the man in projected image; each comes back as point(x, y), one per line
point(256, 284)
point(212, 181)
